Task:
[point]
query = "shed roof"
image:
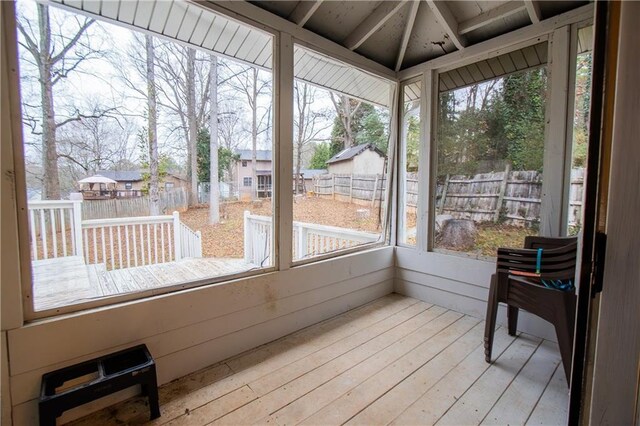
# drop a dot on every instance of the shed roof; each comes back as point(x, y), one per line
point(349, 153)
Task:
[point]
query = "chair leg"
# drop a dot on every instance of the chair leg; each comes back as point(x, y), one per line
point(512, 319)
point(490, 322)
point(565, 342)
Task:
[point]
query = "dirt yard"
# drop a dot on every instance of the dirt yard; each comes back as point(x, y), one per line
point(226, 238)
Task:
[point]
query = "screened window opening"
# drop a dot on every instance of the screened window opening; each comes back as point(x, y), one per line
point(411, 142)
point(490, 146)
point(340, 155)
point(155, 172)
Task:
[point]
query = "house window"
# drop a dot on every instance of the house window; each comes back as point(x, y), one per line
point(244, 163)
point(139, 235)
point(350, 183)
point(490, 143)
point(246, 181)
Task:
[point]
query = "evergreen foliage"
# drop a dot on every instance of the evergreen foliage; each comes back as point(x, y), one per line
point(226, 157)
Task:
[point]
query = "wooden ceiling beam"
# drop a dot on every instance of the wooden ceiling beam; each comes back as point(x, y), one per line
point(372, 23)
point(415, 4)
point(490, 16)
point(533, 9)
point(303, 11)
point(448, 22)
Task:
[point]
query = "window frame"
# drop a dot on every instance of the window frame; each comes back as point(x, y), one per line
point(389, 222)
point(26, 280)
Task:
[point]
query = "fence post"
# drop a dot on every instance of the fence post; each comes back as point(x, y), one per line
point(333, 186)
point(247, 238)
point(503, 190)
point(351, 188)
point(444, 195)
point(177, 243)
point(375, 189)
point(77, 227)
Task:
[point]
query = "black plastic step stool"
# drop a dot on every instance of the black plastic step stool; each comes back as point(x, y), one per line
point(111, 373)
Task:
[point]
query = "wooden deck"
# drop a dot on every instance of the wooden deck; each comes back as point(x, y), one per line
point(394, 361)
point(67, 280)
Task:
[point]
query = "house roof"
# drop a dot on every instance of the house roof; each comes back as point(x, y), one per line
point(309, 173)
point(122, 175)
point(261, 154)
point(349, 153)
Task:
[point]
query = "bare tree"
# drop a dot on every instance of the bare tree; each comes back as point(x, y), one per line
point(346, 108)
point(308, 124)
point(249, 83)
point(56, 57)
point(214, 189)
point(152, 111)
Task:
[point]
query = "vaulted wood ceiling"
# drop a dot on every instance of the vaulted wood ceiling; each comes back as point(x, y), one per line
point(400, 34)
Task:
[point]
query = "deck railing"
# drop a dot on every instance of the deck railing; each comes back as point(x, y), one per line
point(117, 242)
point(309, 239)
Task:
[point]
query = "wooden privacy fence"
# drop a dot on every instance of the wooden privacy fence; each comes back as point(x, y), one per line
point(174, 199)
point(57, 230)
point(357, 189)
point(309, 239)
point(512, 197)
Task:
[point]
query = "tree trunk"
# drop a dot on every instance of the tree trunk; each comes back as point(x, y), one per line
point(193, 123)
point(254, 136)
point(154, 182)
point(214, 189)
point(51, 180)
point(300, 141)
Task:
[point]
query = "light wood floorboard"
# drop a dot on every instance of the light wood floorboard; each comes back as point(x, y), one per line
point(394, 361)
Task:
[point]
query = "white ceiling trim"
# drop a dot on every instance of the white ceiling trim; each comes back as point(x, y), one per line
point(415, 4)
point(490, 16)
point(448, 22)
point(304, 11)
point(533, 9)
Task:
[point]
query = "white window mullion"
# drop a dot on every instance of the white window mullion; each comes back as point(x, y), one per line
point(426, 185)
point(283, 131)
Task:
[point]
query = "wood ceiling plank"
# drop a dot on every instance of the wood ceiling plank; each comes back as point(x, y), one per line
point(372, 23)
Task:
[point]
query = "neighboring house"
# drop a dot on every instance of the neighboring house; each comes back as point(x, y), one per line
point(130, 183)
point(365, 159)
point(243, 175)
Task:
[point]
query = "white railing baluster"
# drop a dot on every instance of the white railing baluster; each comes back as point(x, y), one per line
point(162, 240)
point(177, 236)
point(86, 246)
point(63, 227)
point(95, 245)
point(135, 245)
point(126, 232)
point(34, 242)
point(120, 264)
point(155, 242)
point(170, 253)
point(113, 259)
point(54, 232)
point(43, 235)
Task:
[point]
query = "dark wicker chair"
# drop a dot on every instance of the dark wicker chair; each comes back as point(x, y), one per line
point(508, 285)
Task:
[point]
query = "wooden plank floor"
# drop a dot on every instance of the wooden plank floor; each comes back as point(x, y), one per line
point(67, 280)
point(396, 360)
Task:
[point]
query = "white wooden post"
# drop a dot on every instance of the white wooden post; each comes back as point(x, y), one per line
point(199, 244)
point(248, 249)
point(77, 228)
point(303, 235)
point(177, 244)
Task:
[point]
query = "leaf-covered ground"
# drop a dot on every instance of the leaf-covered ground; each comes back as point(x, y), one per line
point(226, 238)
